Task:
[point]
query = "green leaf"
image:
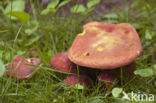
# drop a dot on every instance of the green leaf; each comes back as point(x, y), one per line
point(7, 55)
point(33, 26)
point(78, 9)
point(116, 92)
point(64, 3)
point(1, 53)
point(154, 66)
point(50, 53)
point(79, 86)
point(92, 3)
point(136, 25)
point(96, 101)
point(20, 15)
point(15, 5)
point(144, 72)
point(111, 15)
point(53, 4)
point(149, 34)
point(2, 68)
point(110, 21)
point(52, 10)
point(48, 10)
point(44, 12)
point(20, 52)
point(50, 7)
point(2, 31)
point(32, 40)
point(29, 31)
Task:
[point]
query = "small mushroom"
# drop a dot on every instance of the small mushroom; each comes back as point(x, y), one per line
point(107, 78)
point(61, 62)
point(77, 81)
point(22, 68)
point(105, 46)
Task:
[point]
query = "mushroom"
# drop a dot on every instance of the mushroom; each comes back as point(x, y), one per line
point(101, 47)
point(61, 63)
point(77, 81)
point(22, 68)
point(105, 46)
point(107, 78)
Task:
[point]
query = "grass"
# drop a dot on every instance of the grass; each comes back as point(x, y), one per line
point(55, 33)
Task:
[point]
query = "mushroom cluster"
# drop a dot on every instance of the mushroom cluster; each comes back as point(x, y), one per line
point(97, 53)
point(102, 47)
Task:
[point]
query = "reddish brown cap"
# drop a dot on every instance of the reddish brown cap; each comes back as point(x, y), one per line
point(106, 77)
point(75, 80)
point(22, 68)
point(61, 62)
point(105, 46)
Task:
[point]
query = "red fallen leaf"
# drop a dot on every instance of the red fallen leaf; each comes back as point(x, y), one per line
point(22, 68)
point(74, 80)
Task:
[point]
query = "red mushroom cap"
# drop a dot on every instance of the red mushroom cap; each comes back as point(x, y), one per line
point(106, 77)
point(74, 80)
point(22, 68)
point(61, 62)
point(105, 45)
